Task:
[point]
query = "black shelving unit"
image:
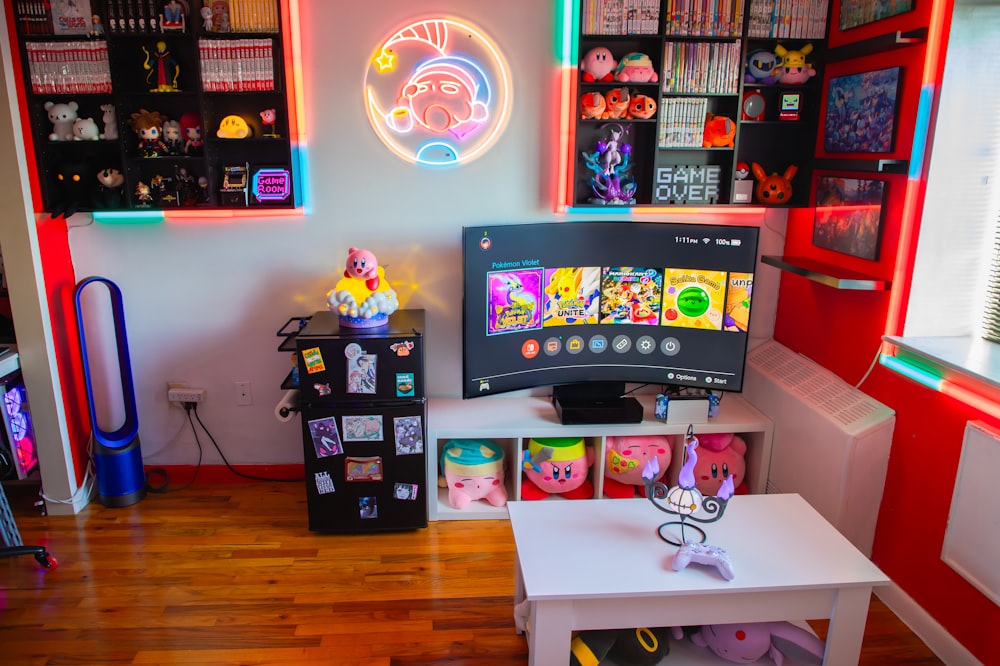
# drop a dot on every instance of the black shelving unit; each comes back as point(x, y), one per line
point(191, 74)
point(688, 173)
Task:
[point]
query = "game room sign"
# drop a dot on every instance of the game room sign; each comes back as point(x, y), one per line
point(687, 184)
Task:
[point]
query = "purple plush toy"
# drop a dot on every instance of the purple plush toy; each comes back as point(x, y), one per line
point(748, 642)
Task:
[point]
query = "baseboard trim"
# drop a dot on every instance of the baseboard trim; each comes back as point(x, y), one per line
point(929, 630)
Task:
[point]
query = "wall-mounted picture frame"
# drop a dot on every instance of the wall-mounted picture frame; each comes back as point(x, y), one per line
point(861, 112)
point(849, 215)
point(854, 13)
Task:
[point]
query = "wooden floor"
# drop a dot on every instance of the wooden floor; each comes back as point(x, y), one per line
point(229, 574)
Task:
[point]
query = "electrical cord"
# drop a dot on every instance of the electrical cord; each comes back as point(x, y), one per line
point(193, 407)
point(871, 367)
point(158, 472)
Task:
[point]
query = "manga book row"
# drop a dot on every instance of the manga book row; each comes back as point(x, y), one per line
point(793, 19)
point(682, 122)
point(711, 68)
point(68, 68)
point(236, 65)
point(707, 18)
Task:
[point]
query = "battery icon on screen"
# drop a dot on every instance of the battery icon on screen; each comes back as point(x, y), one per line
point(736, 241)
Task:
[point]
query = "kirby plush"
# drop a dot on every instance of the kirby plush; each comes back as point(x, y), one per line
point(557, 466)
point(720, 455)
point(473, 470)
point(598, 64)
point(626, 458)
point(635, 68)
point(363, 265)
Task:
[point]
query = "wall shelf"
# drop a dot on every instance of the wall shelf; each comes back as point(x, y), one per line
point(877, 45)
point(868, 166)
point(828, 274)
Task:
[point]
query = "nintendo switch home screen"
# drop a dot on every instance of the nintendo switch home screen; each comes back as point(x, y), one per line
point(563, 302)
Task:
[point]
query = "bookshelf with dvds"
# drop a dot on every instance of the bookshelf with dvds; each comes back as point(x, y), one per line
point(700, 49)
point(167, 57)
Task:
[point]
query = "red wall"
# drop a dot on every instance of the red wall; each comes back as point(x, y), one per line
point(842, 330)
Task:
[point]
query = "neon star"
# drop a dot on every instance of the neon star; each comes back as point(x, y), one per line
point(386, 60)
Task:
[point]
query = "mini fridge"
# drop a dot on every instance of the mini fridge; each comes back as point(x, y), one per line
point(361, 396)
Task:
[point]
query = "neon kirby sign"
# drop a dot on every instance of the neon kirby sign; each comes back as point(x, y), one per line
point(448, 104)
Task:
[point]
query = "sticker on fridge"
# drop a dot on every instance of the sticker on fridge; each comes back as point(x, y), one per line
point(324, 484)
point(313, 359)
point(361, 369)
point(409, 435)
point(363, 428)
point(405, 491)
point(325, 437)
point(363, 469)
point(368, 507)
point(404, 385)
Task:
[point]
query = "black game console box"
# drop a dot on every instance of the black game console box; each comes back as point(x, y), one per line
point(595, 403)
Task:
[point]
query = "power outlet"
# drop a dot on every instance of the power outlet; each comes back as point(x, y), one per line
point(184, 394)
point(243, 395)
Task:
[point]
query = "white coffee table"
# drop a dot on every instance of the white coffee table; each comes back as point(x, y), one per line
point(599, 564)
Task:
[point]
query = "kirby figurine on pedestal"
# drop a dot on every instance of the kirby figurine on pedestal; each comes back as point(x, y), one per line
point(363, 297)
point(557, 466)
point(626, 458)
point(473, 470)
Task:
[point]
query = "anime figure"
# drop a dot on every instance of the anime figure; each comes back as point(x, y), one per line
point(110, 188)
point(191, 130)
point(269, 117)
point(162, 69)
point(172, 137)
point(110, 120)
point(206, 19)
point(143, 194)
point(220, 16)
point(173, 16)
point(149, 126)
point(96, 26)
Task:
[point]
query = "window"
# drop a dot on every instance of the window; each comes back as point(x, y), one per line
point(950, 289)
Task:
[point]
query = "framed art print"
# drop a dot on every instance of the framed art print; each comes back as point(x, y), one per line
point(861, 112)
point(854, 13)
point(849, 215)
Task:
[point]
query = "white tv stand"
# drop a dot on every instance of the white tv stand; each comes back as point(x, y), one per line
point(511, 422)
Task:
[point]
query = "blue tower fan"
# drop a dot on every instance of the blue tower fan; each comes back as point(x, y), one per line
point(121, 480)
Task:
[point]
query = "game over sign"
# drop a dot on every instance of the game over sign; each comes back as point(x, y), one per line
point(687, 184)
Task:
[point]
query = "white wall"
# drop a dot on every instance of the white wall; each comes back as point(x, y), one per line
point(203, 300)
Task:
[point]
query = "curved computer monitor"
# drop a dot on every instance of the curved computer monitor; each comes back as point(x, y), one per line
point(558, 303)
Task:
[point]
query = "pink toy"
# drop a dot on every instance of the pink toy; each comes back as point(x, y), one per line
point(557, 465)
point(625, 460)
point(794, 69)
point(635, 68)
point(363, 265)
point(720, 455)
point(473, 470)
point(598, 64)
point(746, 643)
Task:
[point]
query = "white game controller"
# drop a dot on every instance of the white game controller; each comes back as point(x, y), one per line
point(703, 553)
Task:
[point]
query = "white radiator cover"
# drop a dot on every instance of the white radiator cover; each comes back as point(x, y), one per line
point(831, 440)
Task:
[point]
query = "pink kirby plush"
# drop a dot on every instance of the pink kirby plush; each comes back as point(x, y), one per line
point(636, 68)
point(473, 470)
point(598, 64)
point(720, 455)
point(626, 458)
point(557, 465)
